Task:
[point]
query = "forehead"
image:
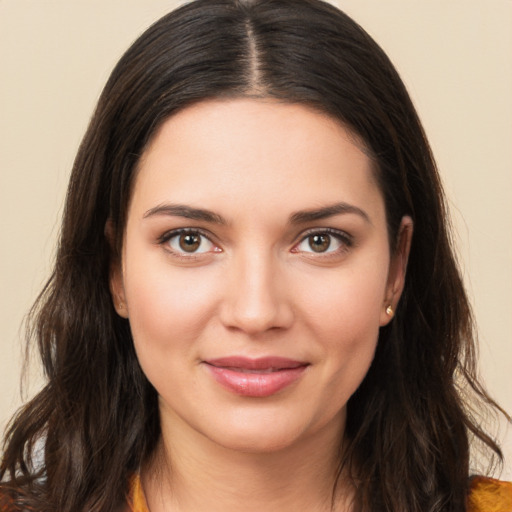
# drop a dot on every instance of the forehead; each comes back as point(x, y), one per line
point(252, 154)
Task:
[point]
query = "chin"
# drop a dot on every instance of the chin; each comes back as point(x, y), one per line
point(271, 433)
point(259, 442)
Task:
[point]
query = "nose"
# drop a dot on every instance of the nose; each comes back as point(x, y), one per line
point(256, 296)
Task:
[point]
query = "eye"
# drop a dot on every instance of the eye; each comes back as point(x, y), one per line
point(324, 242)
point(189, 242)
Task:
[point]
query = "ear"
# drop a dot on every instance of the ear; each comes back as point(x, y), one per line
point(116, 282)
point(397, 271)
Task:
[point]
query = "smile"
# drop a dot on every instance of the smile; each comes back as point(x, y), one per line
point(255, 377)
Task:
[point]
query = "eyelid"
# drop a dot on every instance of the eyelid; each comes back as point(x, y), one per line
point(168, 235)
point(342, 236)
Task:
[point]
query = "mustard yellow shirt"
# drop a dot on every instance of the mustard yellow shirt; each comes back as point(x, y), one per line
point(486, 495)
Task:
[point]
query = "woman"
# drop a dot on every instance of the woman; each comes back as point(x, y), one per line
point(255, 302)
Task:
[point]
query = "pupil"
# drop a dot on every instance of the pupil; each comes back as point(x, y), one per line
point(190, 243)
point(319, 243)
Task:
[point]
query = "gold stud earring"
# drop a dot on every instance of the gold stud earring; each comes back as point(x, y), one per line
point(118, 302)
point(389, 311)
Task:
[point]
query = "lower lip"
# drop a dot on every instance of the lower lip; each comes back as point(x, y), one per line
point(256, 384)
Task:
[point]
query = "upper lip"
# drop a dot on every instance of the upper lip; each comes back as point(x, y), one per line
point(260, 363)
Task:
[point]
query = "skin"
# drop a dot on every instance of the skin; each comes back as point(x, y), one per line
point(254, 287)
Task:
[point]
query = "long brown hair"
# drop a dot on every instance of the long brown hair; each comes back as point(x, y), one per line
point(75, 445)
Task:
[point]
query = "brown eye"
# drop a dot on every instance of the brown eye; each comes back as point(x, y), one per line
point(324, 242)
point(189, 242)
point(319, 242)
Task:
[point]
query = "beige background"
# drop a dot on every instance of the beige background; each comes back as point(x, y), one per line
point(455, 57)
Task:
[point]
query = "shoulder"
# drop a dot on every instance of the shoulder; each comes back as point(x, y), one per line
point(489, 495)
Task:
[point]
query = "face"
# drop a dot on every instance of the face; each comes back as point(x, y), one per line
point(255, 272)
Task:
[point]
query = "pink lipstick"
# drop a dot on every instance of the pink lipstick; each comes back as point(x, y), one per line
point(255, 377)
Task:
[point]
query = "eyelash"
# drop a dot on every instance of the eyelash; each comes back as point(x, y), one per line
point(169, 235)
point(346, 241)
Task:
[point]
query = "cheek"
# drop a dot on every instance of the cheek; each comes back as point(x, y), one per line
point(344, 316)
point(168, 314)
point(167, 306)
point(346, 302)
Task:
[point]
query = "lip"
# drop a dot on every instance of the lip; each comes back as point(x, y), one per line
point(260, 377)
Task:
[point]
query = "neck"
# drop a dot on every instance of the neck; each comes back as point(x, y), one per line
point(191, 473)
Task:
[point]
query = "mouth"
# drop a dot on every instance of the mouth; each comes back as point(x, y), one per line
point(260, 377)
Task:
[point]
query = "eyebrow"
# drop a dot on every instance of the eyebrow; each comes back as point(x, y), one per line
point(188, 212)
point(300, 217)
point(304, 216)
